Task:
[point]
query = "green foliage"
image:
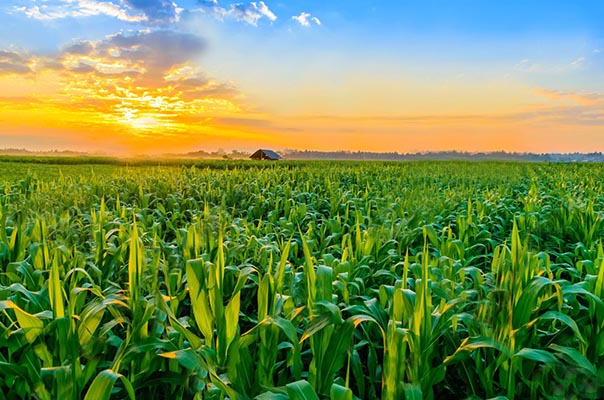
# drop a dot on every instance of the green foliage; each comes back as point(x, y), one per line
point(301, 280)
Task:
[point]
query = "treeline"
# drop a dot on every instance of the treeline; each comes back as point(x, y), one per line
point(442, 155)
point(219, 154)
point(69, 157)
point(47, 153)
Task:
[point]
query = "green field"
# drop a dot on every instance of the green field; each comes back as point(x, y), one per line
point(307, 280)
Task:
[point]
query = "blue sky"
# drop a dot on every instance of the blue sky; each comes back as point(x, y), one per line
point(343, 70)
point(387, 20)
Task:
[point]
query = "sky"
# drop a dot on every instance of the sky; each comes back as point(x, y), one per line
point(129, 77)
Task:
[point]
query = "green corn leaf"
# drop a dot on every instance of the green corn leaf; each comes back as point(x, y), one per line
point(317, 324)
point(470, 345)
point(55, 290)
point(31, 325)
point(331, 354)
point(528, 300)
point(90, 321)
point(188, 358)
point(264, 297)
point(574, 357)
point(310, 275)
point(324, 283)
point(200, 301)
point(232, 317)
point(280, 272)
point(7, 369)
point(271, 396)
point(102, 386)
point(338, 392)
point(227, 389)
point(564, 319)
point(301, 390)
point(413, 392)
point(600, 280)
point(537, 355)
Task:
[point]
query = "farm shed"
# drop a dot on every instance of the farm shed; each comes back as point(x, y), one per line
point(263, 154)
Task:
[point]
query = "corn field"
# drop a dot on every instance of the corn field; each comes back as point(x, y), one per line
point(308, 280)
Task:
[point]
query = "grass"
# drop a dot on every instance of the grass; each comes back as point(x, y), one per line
point(337, 280)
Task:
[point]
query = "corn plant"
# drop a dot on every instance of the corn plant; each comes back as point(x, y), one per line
point(301, 280)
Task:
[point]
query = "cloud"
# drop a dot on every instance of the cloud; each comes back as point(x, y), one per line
point(577, 97)
point(13, 63)
point(584, 109)
point(62, 9)
point(156, 11)
point(305, 19)
point(584, 115)
point(261, 123)
point(147, 54)
point(571, 108)
point(154, 51)
point(561, 67)
point(141, 81)
point(81, 48)
point(80, 67)
point(527, 65)
point(577, 63)
point(47, 64)
point(149, 12)
point(250, 13)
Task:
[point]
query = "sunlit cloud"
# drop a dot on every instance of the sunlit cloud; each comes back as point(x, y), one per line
point(577, 97)
point(152, 12)
point(305, 19)
point(146, 84)
point(250, 13)
point(156, 11)
point(13, 63)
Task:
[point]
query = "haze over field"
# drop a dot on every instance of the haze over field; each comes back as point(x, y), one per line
point(156, 76)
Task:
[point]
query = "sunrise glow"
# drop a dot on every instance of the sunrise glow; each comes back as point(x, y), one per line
point(149, 77)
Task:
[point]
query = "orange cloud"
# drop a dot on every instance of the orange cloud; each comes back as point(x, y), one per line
point(577, 97)
point(136, 88)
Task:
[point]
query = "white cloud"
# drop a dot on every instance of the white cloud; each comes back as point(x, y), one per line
point(264, 10)
point(148, 11)
point(250, 13)
point(79, 8)
point(156, 11)
point(578, 63)
point(305, 19)
point(527, 65)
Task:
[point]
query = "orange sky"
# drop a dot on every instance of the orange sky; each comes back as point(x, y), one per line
point(182, 110)
point(179, 88)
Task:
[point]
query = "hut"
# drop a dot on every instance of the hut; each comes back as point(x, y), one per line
point(263, 154)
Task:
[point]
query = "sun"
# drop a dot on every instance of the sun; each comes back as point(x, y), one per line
point(140, 121)
point(144, 123)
